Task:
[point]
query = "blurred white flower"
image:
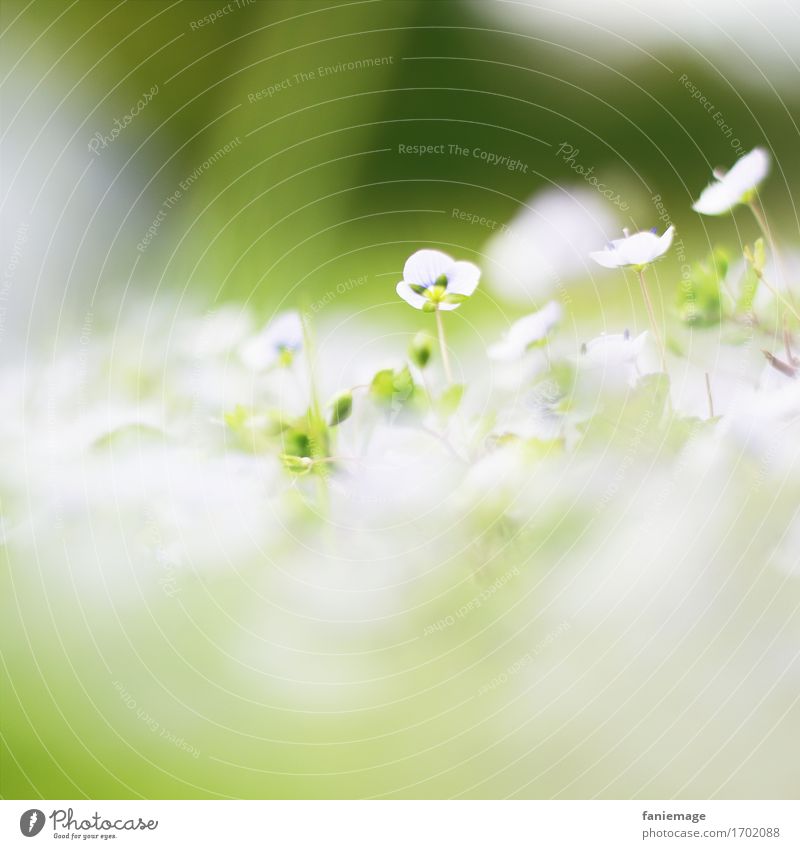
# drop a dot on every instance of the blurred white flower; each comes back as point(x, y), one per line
point(217, 332)
point(736, 186)
point(277, 343)
point(526, 332)
point(637, 250)
point(547, 242)
point(614, 349)
point(433, 280)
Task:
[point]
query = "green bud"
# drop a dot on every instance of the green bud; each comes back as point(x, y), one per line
point(341, 408)
point(421, 349)
point(392, 389)
point(298, 465)
point(756, 256)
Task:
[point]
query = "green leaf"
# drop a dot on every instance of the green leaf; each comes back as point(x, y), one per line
point(699, 299)
point(295, 464)
point(341, 408)
point(450, 399)
point(392, 389)
point(748, 291)
point(756, 256)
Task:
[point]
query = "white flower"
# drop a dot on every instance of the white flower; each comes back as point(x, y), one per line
point(638, 250)
point(614, 349)
point(278, 342)
point(736, 186)
point(546, 243)
point(432, 280)
point(525, 332)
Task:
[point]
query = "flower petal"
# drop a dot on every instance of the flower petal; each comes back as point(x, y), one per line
point(608, 258)
point(640, 248)
point(717, 199)
point(614, 349)
point(665, 242)
point(410, 296)
point(424, 267)
point(504, 350)
point(729, 190)
point(534, 327)
point(462, 278)
point(749, 171)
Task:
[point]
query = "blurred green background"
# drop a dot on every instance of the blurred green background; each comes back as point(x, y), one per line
point(315, 190)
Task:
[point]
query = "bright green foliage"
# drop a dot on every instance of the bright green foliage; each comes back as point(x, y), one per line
point(341, 408)
point(699, 299)
point(393, 389)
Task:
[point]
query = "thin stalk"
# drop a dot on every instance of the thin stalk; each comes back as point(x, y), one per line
point(779, 296)
point(758, 214)
point(652, 316)
point(710, 397)
point(443, 347)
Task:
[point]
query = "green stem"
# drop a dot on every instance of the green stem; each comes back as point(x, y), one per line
point(779, 296)
point(652, 316)
point(443, 347)
point(758, 214)
point(709, 397)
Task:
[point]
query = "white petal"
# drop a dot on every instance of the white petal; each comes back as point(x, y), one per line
point(614, 349)
point(534, 327)
point(665, 242)
point(504, 350)
point(462, 278)
point(717, 199)
point(446, 307)
point(410, 296)
point(608, 258)
point(425, 266)
point(525, 332)
point(746, 174)
point(749, 171)
point(638, 342)
point(640, 248)
point(256, 354)
point(285, 331)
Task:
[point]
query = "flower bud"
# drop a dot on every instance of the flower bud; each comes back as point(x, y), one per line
point(421, 349)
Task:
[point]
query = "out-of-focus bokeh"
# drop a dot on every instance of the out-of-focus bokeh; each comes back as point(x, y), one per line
point(602, 606)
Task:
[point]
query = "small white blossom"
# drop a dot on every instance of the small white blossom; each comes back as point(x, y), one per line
point(525, 332)
point(546, 243)
point(614, 349)
point(736, 186)
point(280, 340)
point(637, 250)
point(433, 280)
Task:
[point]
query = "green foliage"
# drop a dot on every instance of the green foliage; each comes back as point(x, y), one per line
point(756, 259)
point(392, 389)
point(252, 431)
point(756, 256)
point(341, 408)
point(699, 300)
point(450, 399)
point(299, 442)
